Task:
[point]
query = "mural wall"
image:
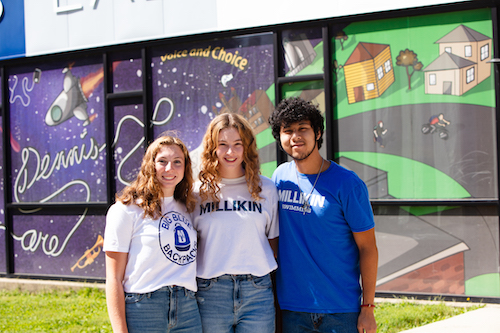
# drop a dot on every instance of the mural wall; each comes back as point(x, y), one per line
point(415, 110)
point(414, 113)
point(58, 144)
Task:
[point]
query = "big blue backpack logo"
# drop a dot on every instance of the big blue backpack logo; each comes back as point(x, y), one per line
point(175, 241)
point(182, 242)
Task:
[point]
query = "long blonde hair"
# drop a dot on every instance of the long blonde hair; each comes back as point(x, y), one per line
point(146, 191)
point(209, 175)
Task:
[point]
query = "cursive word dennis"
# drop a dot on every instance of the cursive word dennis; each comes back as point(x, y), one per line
point(44, 166)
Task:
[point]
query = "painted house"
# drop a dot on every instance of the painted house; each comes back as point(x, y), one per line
point(462, 63)
point(450, 74)
point(368, 71)
point(256, 109)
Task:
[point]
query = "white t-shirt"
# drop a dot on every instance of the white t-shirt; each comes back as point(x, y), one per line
point(233, 234)
point(161, 252)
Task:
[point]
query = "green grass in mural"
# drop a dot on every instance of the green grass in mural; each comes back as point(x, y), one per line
point(265, 138)
point(484, 285)
point(268, 168)
point(409, 179)
point(418, 34)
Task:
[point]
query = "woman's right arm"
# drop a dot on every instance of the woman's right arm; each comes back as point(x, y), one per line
point(115, 298)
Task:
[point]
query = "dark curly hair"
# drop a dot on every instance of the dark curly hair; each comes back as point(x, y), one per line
point(292, 110)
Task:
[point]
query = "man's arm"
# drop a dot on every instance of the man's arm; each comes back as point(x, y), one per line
point(274, 245)
point(368, 262)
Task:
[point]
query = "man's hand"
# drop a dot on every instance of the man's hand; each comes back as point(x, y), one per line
point(366, 321)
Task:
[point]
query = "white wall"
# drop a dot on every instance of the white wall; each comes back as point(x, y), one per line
point(62, 25)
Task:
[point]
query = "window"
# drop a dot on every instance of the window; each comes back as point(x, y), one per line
point(380, 72)
point(468, 51)
point(432, 79)
point(370, 86)
point(485, 51)
point(470, 75)
point(447, 49)
point(387, 66)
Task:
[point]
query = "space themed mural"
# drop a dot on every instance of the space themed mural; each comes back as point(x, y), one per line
point(57, 156)
point(58, 145)
point(195, 82)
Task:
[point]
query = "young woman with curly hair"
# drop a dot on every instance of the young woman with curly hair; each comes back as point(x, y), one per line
point(151, 246)
point(236, 219)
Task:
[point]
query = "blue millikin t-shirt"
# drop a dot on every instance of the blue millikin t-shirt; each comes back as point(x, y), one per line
point(318, 260)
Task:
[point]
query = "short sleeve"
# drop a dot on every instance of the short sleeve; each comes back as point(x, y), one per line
point(358, 210)
point(119, 229)
point(272, 229)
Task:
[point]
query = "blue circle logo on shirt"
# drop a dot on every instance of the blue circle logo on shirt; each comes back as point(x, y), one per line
point(175, 241)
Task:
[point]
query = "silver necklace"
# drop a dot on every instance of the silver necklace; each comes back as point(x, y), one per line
point(305, 204)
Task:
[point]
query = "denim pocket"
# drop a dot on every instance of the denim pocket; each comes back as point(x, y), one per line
point(262, 282)
point(204, 284)
point(131, 298)
point(190, 294)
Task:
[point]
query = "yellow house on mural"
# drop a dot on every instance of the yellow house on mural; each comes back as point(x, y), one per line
point(368, 71)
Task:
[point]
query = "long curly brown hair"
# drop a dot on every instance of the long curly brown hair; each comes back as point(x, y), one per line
point(146, 191)
point(209, 175)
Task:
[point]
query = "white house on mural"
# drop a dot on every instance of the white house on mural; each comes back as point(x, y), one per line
point(462, 62)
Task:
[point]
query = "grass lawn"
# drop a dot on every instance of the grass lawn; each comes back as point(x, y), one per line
point(85, 311)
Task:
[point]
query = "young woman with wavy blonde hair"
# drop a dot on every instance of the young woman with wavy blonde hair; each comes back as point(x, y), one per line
point(236, 220)
point(210, 173)
point(151, 246)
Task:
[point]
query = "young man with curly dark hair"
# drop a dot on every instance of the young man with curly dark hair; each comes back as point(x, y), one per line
point(327, 238)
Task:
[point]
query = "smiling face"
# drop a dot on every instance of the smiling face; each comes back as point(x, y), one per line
point(169, 166)
point(298, 139)
point(230, 153)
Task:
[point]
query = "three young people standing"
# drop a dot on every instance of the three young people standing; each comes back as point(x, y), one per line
point(327, 238)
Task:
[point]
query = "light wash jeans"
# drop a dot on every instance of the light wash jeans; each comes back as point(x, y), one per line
point(236, 304)
point(305, 322)
point(168, 310)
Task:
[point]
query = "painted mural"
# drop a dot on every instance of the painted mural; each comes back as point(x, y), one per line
point(58, 143)
point(416, 112)
point(194, 83)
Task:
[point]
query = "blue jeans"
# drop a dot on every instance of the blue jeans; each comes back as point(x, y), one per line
point(302, 322)
point(237, 304)
point(168, 309)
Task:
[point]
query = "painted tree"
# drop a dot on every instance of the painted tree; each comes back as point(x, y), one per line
point(341, 37)
point(408, 58)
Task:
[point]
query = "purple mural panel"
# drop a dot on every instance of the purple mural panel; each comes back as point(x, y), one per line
point(58, 137)
point(59, 245)
point(128, 145)
point(127, 73)
point(193, 83)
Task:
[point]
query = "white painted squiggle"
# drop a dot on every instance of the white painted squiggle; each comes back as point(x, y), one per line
point(26, 90)
point(155, 113)
point(141, 141)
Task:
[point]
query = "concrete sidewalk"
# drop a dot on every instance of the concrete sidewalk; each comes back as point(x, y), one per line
point(486, 319)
